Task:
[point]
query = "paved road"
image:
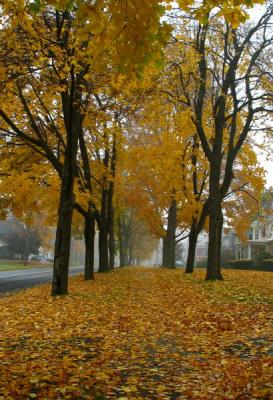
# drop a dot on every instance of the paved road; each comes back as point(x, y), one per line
point(22, 279)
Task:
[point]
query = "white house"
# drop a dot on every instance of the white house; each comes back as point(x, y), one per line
point(259, 238)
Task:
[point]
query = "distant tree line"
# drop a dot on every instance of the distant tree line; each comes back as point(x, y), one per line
point(18, 240)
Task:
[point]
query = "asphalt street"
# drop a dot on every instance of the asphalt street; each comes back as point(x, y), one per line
point(22, 279)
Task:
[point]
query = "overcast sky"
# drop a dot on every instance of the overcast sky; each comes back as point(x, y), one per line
point(268, 165)
point(255, 13)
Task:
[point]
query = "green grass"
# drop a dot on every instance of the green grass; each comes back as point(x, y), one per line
point(14, 266)
point(11, 267)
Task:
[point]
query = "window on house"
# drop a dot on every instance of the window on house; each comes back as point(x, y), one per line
point(263, 231)
point(250, 234)
point(256, 233)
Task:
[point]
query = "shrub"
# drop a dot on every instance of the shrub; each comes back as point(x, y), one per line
point(202, 263)
point(262, 255)
point(248, 264)
point(264, 265)
point(226, 256)
point(267, 265)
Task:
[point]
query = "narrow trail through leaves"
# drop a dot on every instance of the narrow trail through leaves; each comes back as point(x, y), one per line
point(140, 333)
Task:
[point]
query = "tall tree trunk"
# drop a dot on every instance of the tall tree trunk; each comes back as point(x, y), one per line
point(130, 254)
point(73, 123)
point(111, 245)
point(62, 242)
point(111, 211)
point(27, 246)
point(170, 252)
point(111, 226)
point(220, 233)
point(126, 257)
point(89, 238)
point(164, 251)
point(121, 245)
point(103, 233)
point(170, 239)
point(103, 249)
point(89, 216)
point(215, 237)
point(126, 241)
point(193, 236)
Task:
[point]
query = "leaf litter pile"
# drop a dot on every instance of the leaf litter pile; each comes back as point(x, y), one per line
point(139, 333)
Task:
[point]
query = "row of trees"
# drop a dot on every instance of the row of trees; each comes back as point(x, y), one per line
point(107, 107)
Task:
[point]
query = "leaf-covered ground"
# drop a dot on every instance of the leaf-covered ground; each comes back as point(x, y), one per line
point(140, 334)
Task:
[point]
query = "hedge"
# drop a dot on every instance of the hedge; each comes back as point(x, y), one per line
point(264, 265)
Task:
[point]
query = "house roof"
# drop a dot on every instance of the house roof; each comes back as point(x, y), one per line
point(258, 241)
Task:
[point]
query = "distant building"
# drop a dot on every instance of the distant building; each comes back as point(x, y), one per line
point(227, 247)
point(201, 251)
point(259, 239)
point(260, 233)
point(228, 241)
point(3, 249)
point(2, 244)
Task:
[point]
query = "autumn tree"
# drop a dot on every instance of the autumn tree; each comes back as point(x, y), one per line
point(106, 149)
point(159, 171)
point(38, 121)
point(54, 52)
point(227, 81)
point(136, 241)
point(180, 67)
point(44, 77)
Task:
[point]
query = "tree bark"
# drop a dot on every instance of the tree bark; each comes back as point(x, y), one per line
point(62, 242)
point(170, 239)
point(120, 242)
point(27, 245)
point(73, 122)
point(127, 240)
point(193, 236)
point(111, 226)
point(130, 253)
point(215, 237)
point(89, 238)
point(111, 211)
point(125, 235)
point(126, 256)
point(164, 252)
point(111, 245)
point(103, 250)
point(219, 242)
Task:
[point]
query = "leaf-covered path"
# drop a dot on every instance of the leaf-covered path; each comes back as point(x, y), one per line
point(141, 334)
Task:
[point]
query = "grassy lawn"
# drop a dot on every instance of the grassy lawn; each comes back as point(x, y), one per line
point(16, 266)
point(11, 267)
point(139, 333)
